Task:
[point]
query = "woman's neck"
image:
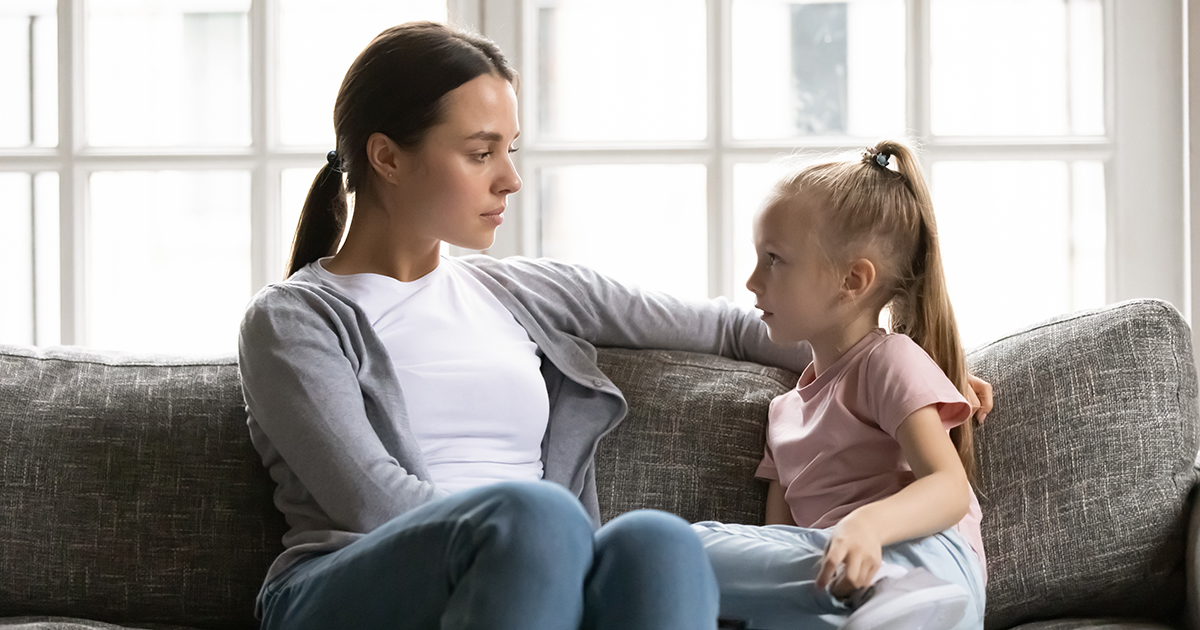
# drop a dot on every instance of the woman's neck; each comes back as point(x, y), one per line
point(376, 244)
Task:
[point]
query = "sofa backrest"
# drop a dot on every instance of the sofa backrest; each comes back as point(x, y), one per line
point(693, 437)
point(129, 491)
point(1086, 464)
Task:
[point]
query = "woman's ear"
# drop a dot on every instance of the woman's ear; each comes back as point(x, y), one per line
point(859, 279)
point(384, 156)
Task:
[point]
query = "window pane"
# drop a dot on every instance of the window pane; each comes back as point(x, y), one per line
point(621, 70)
point(752, 184)
point(1017, 67)
point(318, 40)
point(16, 257)
point(649, 231)
point(165, 73)
point(168, 260)
point(294, 184)
point(28, 74)
point(818, 68)
point(29, 256)
point(1018, 254)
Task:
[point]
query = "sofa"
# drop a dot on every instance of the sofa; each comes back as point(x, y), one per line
point(130, 496)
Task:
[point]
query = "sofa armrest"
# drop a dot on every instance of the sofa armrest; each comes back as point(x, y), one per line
point(1192, 561)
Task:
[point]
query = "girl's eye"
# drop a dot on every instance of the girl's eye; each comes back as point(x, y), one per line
point(514, 150)
point(772, 259)
point(480, 157)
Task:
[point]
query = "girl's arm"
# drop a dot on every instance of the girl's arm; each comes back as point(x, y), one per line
point(778, 511)
point(937, 500)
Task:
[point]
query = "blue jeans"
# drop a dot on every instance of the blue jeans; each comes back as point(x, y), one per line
point(767, 575)
point(519, 555)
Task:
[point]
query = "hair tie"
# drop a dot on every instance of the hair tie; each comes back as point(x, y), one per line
point(332, 158)
point(882, 158)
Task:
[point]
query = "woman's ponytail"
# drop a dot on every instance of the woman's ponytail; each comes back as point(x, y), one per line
point(322, 221)
point(921, 308)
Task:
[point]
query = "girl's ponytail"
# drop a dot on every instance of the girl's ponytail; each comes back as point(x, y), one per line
point(323, 219)
point(921, 307)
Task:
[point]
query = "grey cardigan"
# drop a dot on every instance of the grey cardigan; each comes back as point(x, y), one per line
point(327, 415)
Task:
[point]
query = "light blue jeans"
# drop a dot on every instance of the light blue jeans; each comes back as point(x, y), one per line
point(520, 555)
point(767, 574)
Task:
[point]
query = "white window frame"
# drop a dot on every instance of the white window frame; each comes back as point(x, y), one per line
point(1147, 248)
point(1150, 231)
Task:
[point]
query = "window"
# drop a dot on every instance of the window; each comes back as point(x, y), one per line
point(144, 198)
point(650, 147)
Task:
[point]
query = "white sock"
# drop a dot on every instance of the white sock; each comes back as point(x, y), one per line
point(887, 569)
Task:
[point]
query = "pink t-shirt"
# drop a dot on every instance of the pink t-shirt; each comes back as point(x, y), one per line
point(831, 441)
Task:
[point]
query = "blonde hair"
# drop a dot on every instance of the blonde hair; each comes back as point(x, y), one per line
point(864, 206)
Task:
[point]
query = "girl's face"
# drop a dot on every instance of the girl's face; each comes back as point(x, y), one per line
point(795, 287)
point(455, 186)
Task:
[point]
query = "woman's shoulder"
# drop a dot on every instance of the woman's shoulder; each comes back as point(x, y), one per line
point(295, 305)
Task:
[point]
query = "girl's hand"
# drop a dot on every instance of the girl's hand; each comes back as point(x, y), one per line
point(979, 396)
point(851, 558)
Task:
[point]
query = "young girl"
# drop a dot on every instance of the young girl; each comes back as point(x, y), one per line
point(871, 521)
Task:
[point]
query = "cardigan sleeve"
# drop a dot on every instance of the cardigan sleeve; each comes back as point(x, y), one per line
point(315, 396)
point(604, 312)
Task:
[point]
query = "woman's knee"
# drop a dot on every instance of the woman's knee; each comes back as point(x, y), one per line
point(538, 514)
point(652, 537)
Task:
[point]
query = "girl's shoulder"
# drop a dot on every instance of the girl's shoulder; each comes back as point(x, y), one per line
point(896, 359)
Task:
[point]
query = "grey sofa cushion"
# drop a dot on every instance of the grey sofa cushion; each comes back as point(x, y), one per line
point(1093, 624)
point(131, 492)
point(693, 438)
point(64, 623)
point(1086, 464)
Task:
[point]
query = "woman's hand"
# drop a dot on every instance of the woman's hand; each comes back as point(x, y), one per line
point(852, 556)
point(979, 396)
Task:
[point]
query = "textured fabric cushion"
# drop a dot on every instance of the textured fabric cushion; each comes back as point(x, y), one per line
point(1086, 464)
point(1093, 624)
point(693, 437)
point(64, 623)
point(130, 490)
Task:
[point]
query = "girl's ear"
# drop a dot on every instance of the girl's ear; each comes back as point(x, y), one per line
point(859, 279)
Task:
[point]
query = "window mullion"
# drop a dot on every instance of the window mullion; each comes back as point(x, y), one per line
point(720, 214)
point(265, 246)
point(917, 59)
point(72, 200)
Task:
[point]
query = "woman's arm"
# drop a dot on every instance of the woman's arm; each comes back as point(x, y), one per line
point(937, 500)
point(604, 312)
point(305, 393)
point(778, 510)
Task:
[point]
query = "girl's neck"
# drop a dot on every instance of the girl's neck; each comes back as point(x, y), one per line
point(830, 346)
point(377, 244)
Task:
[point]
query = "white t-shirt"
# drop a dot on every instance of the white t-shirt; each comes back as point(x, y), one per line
point(470, 374)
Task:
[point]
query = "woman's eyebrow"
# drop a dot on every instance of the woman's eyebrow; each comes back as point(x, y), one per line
point(489, 136)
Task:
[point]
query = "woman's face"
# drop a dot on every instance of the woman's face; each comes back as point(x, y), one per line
point(455, 186)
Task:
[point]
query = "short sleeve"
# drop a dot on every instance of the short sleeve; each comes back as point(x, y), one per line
point(901, 378)
point(766, 469)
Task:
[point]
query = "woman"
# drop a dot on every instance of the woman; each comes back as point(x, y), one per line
point(411, 407)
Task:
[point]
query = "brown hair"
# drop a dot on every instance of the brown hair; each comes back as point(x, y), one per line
point(396, 87)
point(866, 206)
